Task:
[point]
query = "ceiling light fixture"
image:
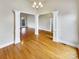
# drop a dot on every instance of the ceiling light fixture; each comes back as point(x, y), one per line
point(40, 4)
point(37, 5)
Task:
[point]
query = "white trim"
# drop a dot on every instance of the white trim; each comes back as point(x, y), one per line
point(6, 44)
point(44, 29)
point(55, 26)
point(37, 24)
point(41, 29)
point(17, 26)
point(27, 12)
point(24, 12)
point(68, 43)
point(17, 41)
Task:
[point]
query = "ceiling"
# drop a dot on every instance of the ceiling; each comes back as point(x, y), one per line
point(37, 0)
point(50, 5)
point(50, 0)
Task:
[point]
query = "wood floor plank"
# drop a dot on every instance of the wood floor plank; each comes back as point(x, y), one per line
point(41, 47)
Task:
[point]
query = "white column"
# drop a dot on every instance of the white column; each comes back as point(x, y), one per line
point(37, 24)
point(55, 26)
point(17, 27)
point(51, 24)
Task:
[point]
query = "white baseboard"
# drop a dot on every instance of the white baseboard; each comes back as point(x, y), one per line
point(17, 41)
point(41, 29)
point(44, 29)
point(68, 43)
point(6, 44)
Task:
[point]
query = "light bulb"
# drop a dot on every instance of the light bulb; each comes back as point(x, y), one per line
point(34, 3)
point(40, 3)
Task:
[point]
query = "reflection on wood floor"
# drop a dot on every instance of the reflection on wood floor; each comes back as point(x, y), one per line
point(41, 47)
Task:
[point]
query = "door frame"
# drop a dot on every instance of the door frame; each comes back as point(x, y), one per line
point(17, 19)
point(17, 37)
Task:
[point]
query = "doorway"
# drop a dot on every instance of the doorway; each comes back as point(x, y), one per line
point(25, 21)
point(46, 25)
point(27, 26)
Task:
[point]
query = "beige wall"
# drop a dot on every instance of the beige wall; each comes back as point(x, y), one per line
point(7, 18)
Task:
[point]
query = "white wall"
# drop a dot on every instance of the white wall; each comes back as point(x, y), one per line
point(44, 22)
point(7, 18)
point(68, 30)
point(68, 25)
point(67, 9)
point(31, 21)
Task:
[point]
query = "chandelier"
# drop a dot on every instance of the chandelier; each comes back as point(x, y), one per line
point(37, 5)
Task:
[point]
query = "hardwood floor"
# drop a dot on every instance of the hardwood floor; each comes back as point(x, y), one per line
point(41, 47)
point(78, 52)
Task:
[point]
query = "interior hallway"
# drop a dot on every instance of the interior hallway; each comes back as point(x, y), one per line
point(38, 48)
